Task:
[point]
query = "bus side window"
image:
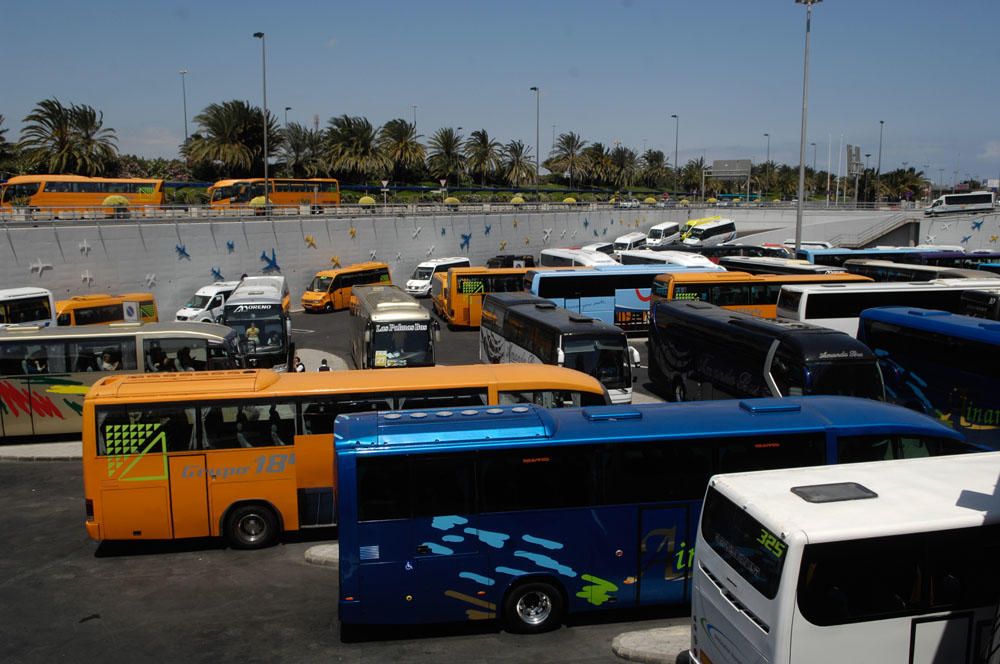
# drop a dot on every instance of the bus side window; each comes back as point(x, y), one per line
point(124, 430)
point(233, 426)
point(770, 452)
point(539, 478)
point(856, 449)
point(318, 416)
point(383, 488)
point(443, 484)
point(443, 399)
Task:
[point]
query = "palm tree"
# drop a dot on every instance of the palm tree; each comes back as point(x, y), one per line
point(518, 163)
point(567, 156)
point(445, 156)
point(7, 151)
point(93, 145)
point(691, 175)
point(67, 139)
point(655, 171)
point(399, 143)
point(625, 166)
point(597, 163)
point(351, 148)
point(303, 151)
point(483, 154)
point(231, 136)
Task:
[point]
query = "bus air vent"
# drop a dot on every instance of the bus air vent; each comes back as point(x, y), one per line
point(770, 406)
point(833, 493)
point(545, 305)
point(580, 319)
point(700, 305)
point(611, 414)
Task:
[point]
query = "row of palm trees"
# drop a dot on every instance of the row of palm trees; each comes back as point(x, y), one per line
point(71, 138)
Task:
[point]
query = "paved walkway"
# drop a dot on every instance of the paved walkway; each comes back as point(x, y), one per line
point(42, 451)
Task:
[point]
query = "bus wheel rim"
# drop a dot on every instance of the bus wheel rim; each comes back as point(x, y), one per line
point(534, 608)
point(252, 527)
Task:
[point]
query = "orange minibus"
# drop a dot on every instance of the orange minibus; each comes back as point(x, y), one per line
point(330, 290)
point(315, 192)
point(458, 297)
point(104, 309)
point(76, 192)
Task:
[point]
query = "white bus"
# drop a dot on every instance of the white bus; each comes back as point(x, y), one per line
point(976, 201)
point(628, 242)
point(27, 306)
point(838, 306)
point(886, 561)
point(714, 232)
point(259, 312)
point(571, 257)
point(651, 257)
point(389, 328)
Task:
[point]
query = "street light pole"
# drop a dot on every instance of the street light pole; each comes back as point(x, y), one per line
point(867, 154)
point(414, 106)
point(805, 108)
point(263, 76)
point(287, 108)
point(878, 167)
point(184, 99)
point(767, 163)
point(537, 92)
point(677, 171)
point(814, 157)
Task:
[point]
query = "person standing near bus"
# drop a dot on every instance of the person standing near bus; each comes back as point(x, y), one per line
point(323, 365)
point(299, 367)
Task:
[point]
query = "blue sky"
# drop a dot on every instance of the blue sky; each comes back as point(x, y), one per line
point(609, 70)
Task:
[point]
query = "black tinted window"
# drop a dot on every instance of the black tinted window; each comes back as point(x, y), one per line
point(383, 488)
point(539, 478)
point(442, 485)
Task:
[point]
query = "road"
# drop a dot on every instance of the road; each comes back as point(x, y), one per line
point(67, 599)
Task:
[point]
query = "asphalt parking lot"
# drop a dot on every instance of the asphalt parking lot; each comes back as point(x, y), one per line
point(67, 599)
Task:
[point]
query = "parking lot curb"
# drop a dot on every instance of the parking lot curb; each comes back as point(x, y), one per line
point(652, 646)
point(327, 555)
point(42, 452)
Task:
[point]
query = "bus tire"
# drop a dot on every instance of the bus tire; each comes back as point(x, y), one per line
point(251, 526)
point(679, 392)
point(329, 307)
point(533, 607)
point(655, 375)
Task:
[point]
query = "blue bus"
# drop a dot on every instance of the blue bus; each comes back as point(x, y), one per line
point(527, 514)
point(939, 363)
point(911, 255)
point(615, 294)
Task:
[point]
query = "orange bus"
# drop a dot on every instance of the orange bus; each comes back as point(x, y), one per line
point(105, 309)
point(249, 454)
point(754, 294)
point(330, 290)
point(316, 192)
point(57, 193)
point(458, 296)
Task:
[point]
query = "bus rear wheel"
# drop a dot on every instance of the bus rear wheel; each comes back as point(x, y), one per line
point(679, 392)
point(533, 608)
point(251, 527)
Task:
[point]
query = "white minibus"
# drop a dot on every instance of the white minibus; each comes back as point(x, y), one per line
point(886, 561)
point(651, 257)
point(976, 201)
point(419, 285)
point(629, 241)
point(663, 234)
point(714, 232)
point(838, 306)
point(571, 257)
point(27, 306)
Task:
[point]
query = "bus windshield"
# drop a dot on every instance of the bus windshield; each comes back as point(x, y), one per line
point(262, 331)
point(222, 193)
point(602, 358)
point(423, 273)
point(856, 379)
point(320, 284)
point(403, 344)
point(756, 553)
point(198, 302)
point(26, 310)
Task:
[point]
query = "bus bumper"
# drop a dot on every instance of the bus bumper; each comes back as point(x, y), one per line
point(94, 531)
point(349, 611)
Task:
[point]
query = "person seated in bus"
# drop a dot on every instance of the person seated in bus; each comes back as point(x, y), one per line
point(108, 363)
point(86, 362)
point(184, 361)
point(38, 364)
point(241, 435)
point(168, 364)
point(253, 333)
point(155, 358)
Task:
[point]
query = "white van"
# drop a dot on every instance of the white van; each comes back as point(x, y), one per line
point(714, 232)
point(205, 306)
point(663, 234)
point(419, 285)
point(630, 241)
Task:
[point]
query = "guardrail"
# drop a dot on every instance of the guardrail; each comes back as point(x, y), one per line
point(35, 214)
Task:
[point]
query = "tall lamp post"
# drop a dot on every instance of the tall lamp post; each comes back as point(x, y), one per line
point(534, 88)
point(414, 107)
point(287, 108)
point(878, 166)
point(814, 157)
point(263, 75)
point(677, 172)
point(767, 163)
point(805, 108)
point(184, 100)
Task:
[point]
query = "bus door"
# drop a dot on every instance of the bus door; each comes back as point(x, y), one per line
point(666, 552)
point(189, 496)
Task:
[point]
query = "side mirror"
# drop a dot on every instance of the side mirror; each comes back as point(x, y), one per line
point(634, 356)
point(437, 331)
point(368, 335)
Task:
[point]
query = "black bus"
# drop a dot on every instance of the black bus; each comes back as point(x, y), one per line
point(699, 351)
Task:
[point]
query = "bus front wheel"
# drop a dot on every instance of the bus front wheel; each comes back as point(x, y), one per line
point(680, 392)
point(252, 526)
point(533, 608)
